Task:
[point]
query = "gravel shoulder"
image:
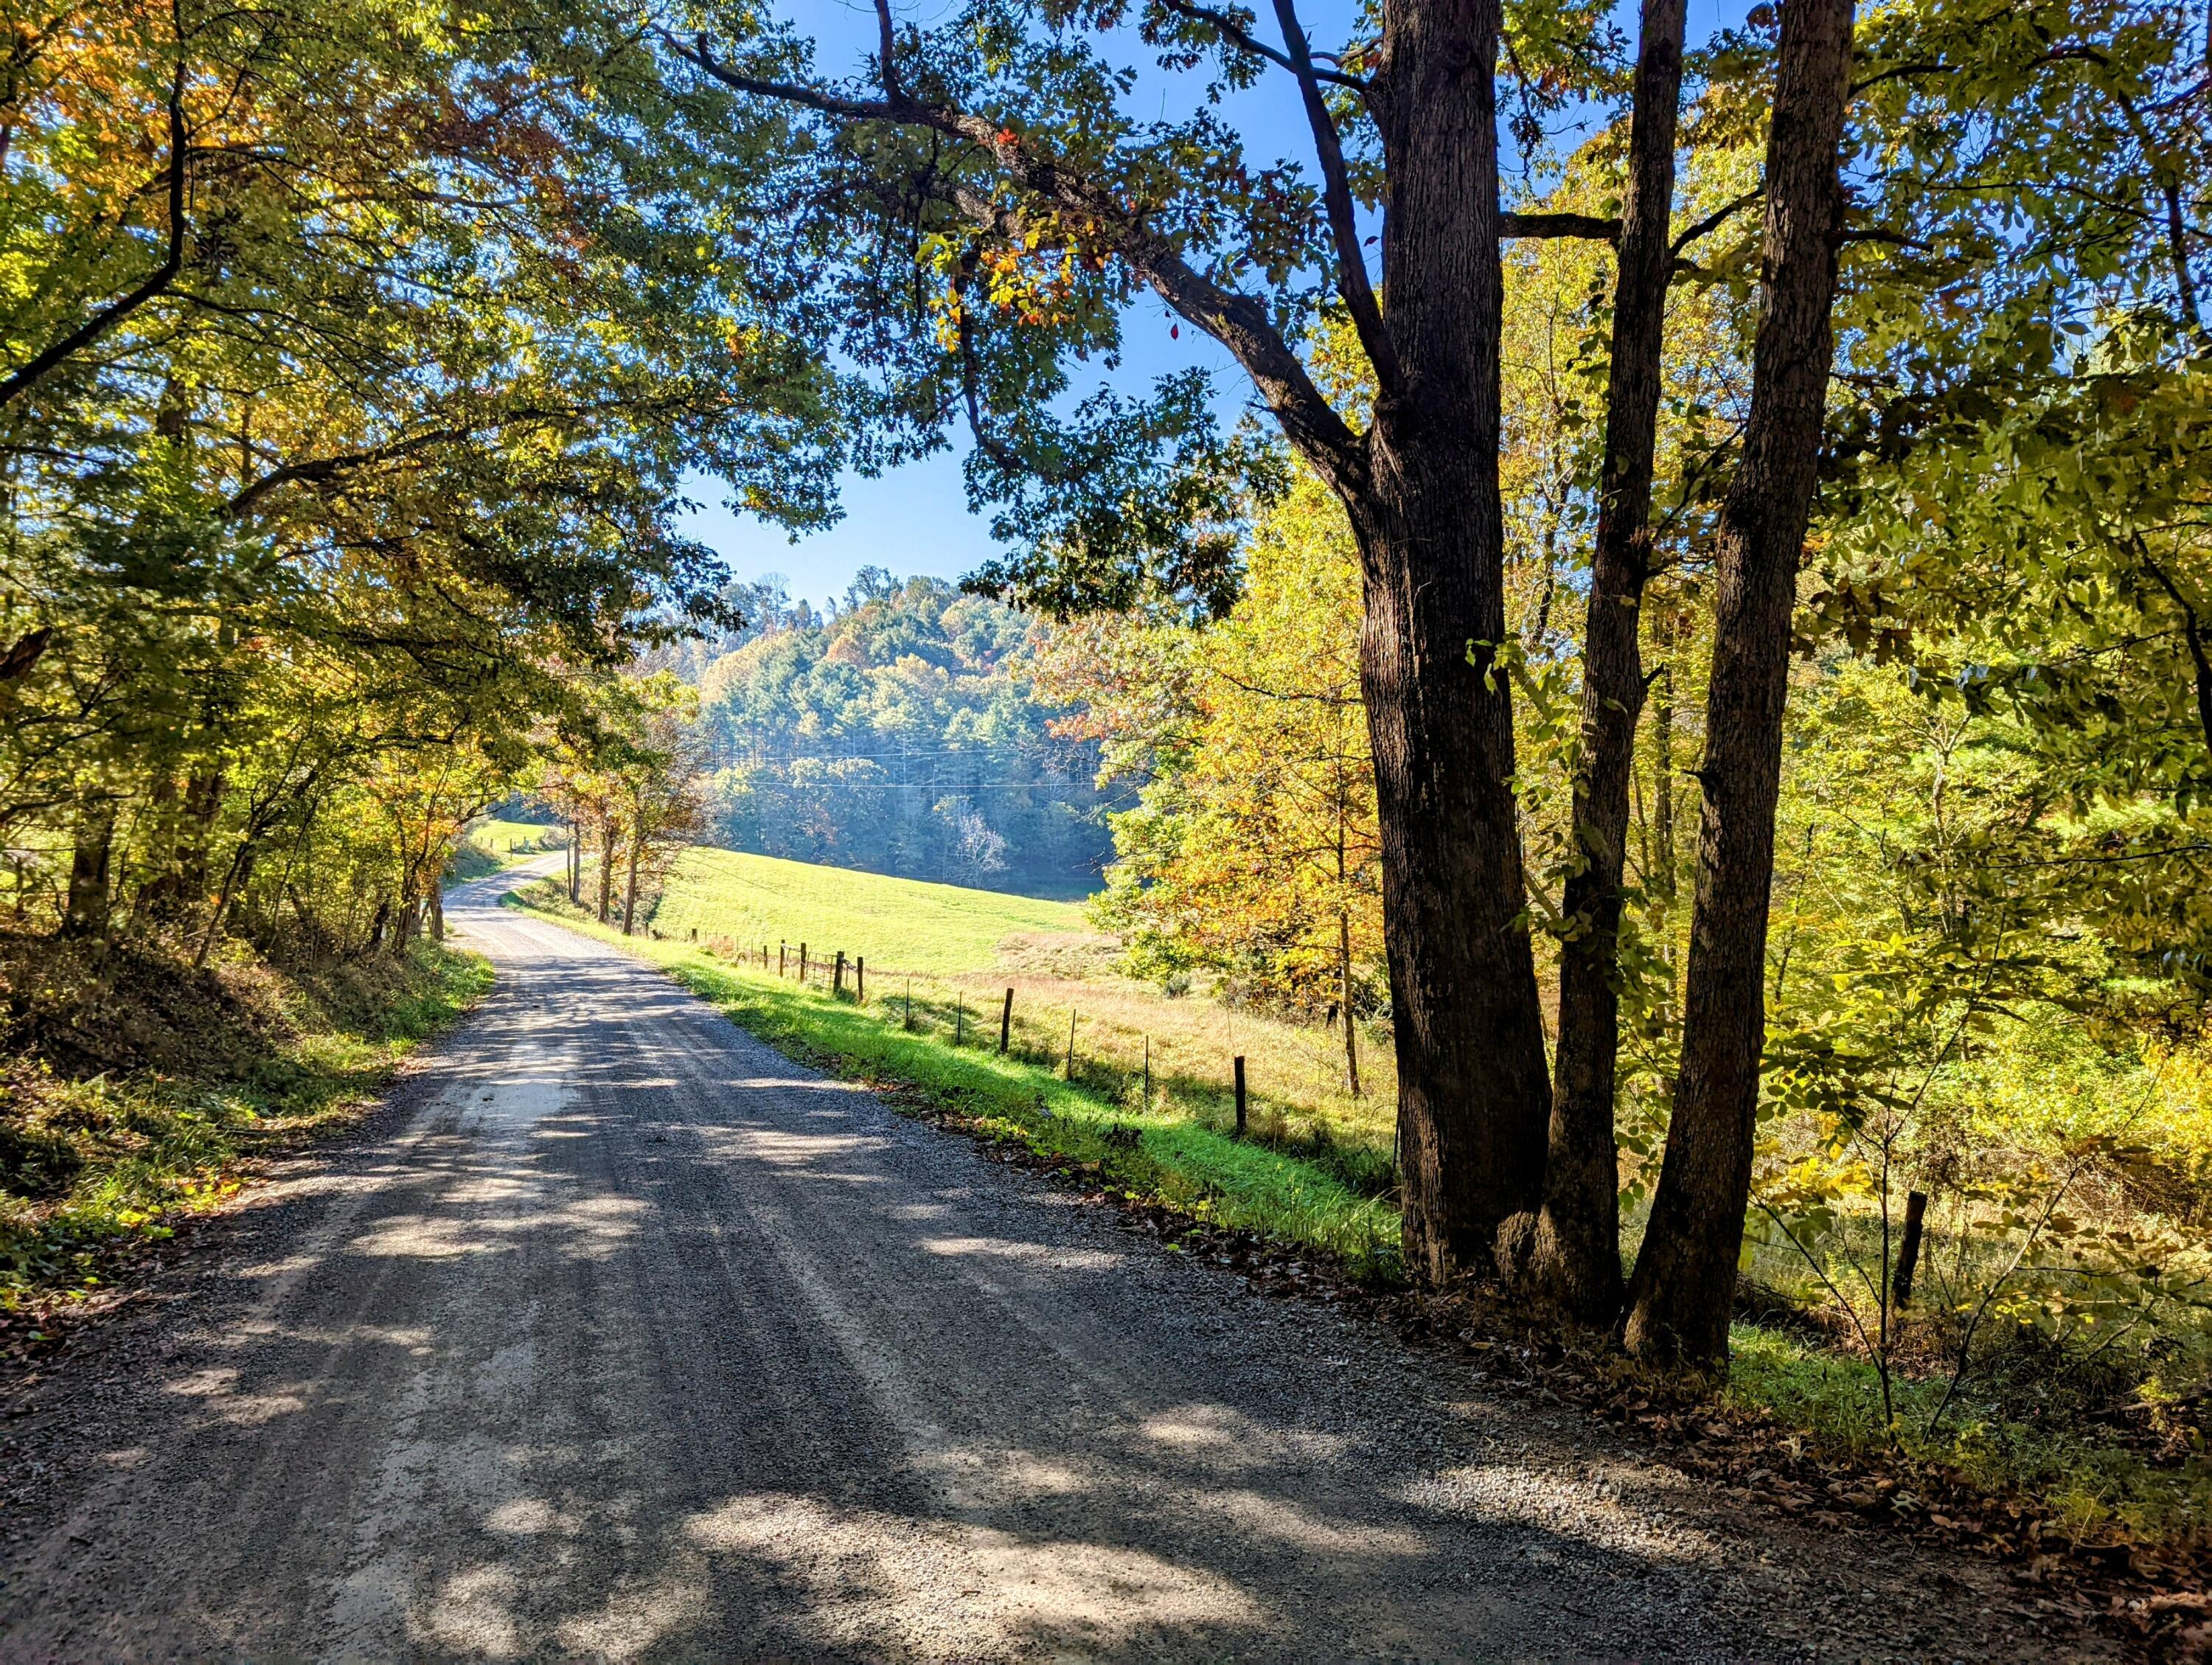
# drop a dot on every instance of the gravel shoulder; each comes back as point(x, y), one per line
point(620, 1336)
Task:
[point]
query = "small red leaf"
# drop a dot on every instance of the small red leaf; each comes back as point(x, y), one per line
point(1174, 332)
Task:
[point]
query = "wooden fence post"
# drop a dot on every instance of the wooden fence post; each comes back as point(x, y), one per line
point(861, 981)
point(779, 949)
point(1148, 1072)
point(1240, 1097)
point(802, 962)
point(1908, 1251)
point(1005, 1023)
point(1068, 1074)
point(959, 1016)
point(837, 980)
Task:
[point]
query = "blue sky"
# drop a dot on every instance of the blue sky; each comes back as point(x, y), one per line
point(917, 520)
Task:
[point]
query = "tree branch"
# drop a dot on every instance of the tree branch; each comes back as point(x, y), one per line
point(317, 470)
point(173, 262)
point(1238, 36)
point(2191, 632)
point(1343, 223)
point(1238, 321)
point(701, 56)
point(887, 70)
point(1713, 221)
point(1595, 228)
point(2165, 176)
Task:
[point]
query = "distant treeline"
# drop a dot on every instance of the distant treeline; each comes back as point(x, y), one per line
point(899, 732)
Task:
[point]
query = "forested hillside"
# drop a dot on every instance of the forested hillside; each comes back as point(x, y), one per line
point(903, 734)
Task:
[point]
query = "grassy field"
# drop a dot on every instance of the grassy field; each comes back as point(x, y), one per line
point(900, 923)
point(953, 953)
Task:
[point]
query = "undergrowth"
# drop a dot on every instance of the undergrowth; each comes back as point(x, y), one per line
point(95, 1162)
point(2089, 1485)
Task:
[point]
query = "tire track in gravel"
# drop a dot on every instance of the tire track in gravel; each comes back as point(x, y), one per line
point(636, 1340)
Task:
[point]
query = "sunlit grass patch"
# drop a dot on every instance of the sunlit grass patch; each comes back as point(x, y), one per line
point(954, 953)
point(758, 900)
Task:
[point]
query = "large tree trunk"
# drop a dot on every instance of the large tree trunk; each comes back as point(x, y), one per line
point(85, 913)
point(1576, 1261)
point(1686, 1276)
point(1473, 1083)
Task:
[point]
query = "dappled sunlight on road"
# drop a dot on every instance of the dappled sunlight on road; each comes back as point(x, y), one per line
point(638, 1343)
point(937, 1589)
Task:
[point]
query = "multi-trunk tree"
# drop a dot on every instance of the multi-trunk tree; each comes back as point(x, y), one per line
point(1033, 206)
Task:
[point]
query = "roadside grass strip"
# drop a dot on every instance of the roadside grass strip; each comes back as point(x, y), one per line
point(1204, 1173)
point(1146, 1154)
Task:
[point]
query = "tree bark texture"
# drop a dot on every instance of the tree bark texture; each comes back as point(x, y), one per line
point(1473, 1079)
point(1577, 1248)
point(1686, 1276)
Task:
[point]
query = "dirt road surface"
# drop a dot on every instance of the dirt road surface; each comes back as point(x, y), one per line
point(620, 1337)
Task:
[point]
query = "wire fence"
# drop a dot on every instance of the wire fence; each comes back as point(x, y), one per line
point(1127, 1043)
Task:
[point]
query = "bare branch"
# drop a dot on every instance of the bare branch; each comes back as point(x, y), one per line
point(1238, 36)
point(888, 69)
point(1343, 223)
point(1713, 221)
point(699, 54)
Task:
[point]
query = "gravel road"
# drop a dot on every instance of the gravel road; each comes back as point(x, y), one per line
point(619, 1336)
